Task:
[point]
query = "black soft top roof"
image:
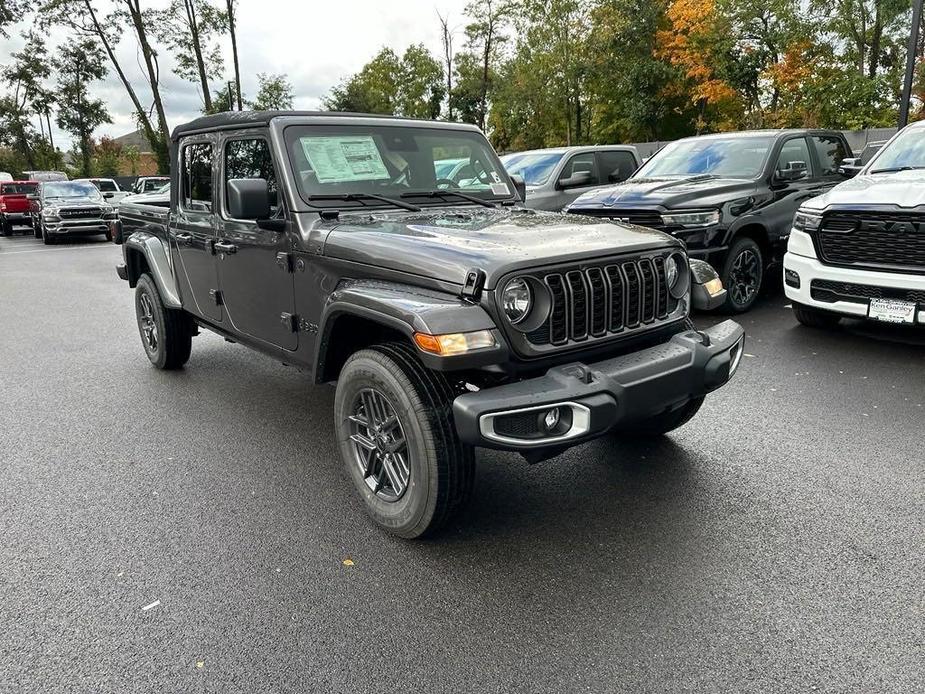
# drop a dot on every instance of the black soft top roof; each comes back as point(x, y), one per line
point(244, 119)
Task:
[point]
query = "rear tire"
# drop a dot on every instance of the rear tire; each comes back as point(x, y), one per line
point(813, 317)
point(662, 423)
point(166, 333)
point(36, 228)
point(6, 227)
point(421, 440)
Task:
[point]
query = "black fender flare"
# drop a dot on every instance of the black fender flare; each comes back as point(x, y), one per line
point(407, 310)
point(157, 256)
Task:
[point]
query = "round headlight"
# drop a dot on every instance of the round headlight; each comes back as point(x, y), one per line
point(516, 300)
point(677, 275)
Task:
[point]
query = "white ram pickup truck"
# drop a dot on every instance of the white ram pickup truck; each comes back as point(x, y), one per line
point(859, 249)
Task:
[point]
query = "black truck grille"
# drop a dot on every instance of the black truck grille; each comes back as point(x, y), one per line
point(879, 240)
point(600, 301)
point(643, 218)
point(81, 213)
point(829, 291)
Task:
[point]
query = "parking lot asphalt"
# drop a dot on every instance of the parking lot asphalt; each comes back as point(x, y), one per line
point(194, 531)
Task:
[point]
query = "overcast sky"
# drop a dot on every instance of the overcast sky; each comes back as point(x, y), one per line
point(315, 44)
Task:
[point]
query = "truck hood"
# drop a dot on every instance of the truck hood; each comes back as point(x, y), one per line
point(889, 191)
point(669, 192)
point(445, 244)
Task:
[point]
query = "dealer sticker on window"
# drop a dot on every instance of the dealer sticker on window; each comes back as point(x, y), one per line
point(499, 189)
point(340, 159)
point(892, 310)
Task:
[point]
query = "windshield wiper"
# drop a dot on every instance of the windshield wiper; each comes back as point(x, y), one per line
point(442, 193)
point(894, 169)
point(347, 197)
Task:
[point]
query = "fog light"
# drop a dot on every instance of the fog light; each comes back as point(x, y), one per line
point(792, 279)
point(551, 419)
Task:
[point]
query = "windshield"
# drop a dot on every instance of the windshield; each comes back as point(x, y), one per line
point(907, 151)
point(535, 167)
point(732, 157)
point(392, 161)
point(70, 189)
point(17, 188)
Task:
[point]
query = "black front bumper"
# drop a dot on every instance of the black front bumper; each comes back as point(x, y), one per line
point(597, 397)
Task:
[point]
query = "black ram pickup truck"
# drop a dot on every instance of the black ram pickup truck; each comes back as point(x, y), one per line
point(448, 316)
point(730, 197)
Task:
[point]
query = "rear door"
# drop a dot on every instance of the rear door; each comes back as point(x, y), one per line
point(830, 150)
point(615, 165)
point(192, 229)
point(255, 266)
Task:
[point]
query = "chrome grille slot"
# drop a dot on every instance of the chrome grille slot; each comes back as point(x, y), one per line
point(595, 302)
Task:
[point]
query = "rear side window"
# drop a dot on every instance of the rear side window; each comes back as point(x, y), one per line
point(251, 159)
point(106, 186)
point(830, 151)
point(616, 166)
point(196, 175)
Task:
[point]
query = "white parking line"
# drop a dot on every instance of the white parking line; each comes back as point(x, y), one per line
point(49, 250)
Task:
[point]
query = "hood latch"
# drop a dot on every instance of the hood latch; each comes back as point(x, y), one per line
point(472, 287)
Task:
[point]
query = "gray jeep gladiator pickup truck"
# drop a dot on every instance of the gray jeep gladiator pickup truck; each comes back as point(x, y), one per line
point(448, 316)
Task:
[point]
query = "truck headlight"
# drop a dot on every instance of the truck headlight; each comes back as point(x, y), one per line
point(516, 300)
point(806, 221)
point(700, 218)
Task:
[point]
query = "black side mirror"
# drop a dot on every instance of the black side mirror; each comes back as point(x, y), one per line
point(520, 186)
point(248, 198)
point(576, 180)
point(794, 172)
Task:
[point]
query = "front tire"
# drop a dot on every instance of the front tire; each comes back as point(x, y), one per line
point(814, 317)
point(663, 423)
point(393, 419)
point(36, 228)
point(47, 239)
point(166, 333)
point(742, 275)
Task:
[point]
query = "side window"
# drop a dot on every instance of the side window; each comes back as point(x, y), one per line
point(251, 159)
point(579, 164)
point(830, 151)
point(196, 182)
point(615, 166)
point(794, 154)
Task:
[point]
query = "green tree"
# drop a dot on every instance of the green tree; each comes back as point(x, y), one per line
point(410, 86)
point(107, 157)
point(79, 63)
point(274, 93)
point(190, 29)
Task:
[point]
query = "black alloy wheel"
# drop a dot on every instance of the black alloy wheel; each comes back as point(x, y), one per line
point(379, 445)
point(742, 276)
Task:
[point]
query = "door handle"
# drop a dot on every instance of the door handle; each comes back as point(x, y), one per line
point(183, 237)
point(223, 247)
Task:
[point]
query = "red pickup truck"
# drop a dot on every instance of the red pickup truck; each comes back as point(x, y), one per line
point(14, 204)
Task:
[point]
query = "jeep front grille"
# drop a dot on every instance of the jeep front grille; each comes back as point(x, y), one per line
point(877, 240)
point(605, 300)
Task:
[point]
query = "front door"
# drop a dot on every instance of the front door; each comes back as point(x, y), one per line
point(583, 163)
point(790, 194)
point(192, 232)
point(254, 264)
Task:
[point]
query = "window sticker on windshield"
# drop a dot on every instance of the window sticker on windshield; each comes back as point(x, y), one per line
point(339, 159)
point(499, 189)
point(494, 175)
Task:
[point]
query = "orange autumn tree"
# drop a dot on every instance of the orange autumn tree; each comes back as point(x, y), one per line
point(695, 42)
